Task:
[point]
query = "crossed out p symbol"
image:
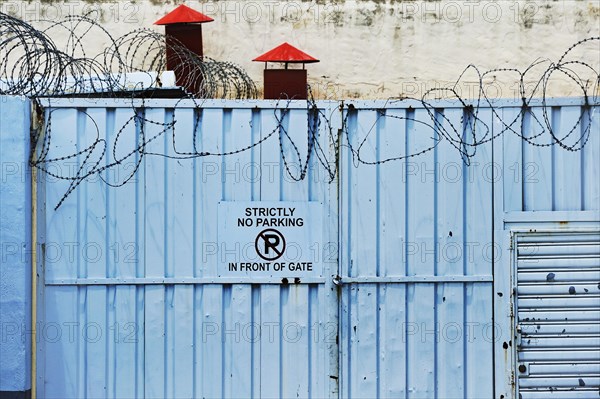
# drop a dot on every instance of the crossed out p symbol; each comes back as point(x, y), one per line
point(270, 244)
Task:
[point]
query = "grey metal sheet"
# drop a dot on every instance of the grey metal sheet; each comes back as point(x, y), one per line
point(571, 368)
point(572, 354)
point(589, 288)
point(562, 274)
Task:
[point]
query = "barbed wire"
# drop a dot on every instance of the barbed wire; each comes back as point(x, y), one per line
point(33, 65)
point(473, 131)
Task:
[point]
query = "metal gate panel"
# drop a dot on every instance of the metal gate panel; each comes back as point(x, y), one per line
point(133, 305)
point(558, 314)
point(547, 177)
point(417, 248)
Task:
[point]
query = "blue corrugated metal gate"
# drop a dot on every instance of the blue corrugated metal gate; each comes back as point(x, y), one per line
point(130, 274)
point(417, 306)
point(413, 302)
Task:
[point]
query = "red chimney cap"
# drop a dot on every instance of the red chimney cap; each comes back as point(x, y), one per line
point(183, 15)
point(285, 53)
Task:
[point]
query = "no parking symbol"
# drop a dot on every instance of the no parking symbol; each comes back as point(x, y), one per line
point(270, 244)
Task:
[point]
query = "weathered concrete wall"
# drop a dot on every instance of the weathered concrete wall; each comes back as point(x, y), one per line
point(15, 249)
point(374, 48)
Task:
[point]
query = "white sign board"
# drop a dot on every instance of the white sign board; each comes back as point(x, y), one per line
point(277, 239)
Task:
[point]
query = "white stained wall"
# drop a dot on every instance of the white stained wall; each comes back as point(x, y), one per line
point(374, 49)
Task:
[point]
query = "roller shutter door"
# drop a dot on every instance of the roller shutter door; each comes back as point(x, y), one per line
point(558, 315)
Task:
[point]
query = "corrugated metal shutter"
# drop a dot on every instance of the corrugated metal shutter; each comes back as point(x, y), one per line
point(558, 315)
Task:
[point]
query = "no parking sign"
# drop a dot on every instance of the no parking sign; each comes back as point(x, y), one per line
point(281, 239)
